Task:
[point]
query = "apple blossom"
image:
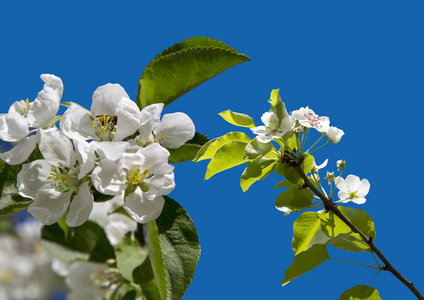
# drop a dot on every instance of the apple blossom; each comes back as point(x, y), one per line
point(334, 134)
point(52, 181)
point(274, 128)
point(353, 189)
point(308, 118)
point(20, 125)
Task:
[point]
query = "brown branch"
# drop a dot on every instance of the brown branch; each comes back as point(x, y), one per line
point(330, 206)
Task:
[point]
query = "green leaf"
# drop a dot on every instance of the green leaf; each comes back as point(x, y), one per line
point(133, 261)
point(291, 174)
point(189, 150)
point(361, 292)
point(150, 290)
point(237, 119)
point(229, 155)
point(173, 249)
point(256, 170)
point(295, 199)
point(307, 232)
point(350, 242)
point(307, 163)
point(86, 242)
point(306, 261)
point(183, 67)
point(10, 200)
point(208, 150)
point(256, 148)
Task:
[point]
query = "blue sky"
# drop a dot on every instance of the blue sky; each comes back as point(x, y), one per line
point(358, 62)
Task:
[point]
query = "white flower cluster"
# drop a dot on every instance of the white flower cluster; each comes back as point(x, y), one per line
point(114, 149)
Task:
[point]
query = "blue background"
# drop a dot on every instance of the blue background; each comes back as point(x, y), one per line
point(358, 62)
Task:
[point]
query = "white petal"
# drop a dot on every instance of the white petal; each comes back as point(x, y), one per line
point(108, 178)
point(32, 179)
point(260, 130)
point(149, 119)
point(266, 116)
point(21, 151)
point(128, 119)
point(156, 159)
point(77, 124)
point(81, 207)
point(86, 157)
point(359, 200)
point(363, 188)
point(352, 182)
point(45, 107)
point(56, 147)
point(49, 206)
point(106, 99)
point(110, 150)
point(160, 185)
point(131, 161)
point(13, 127)
point(117, 226)
point(176, 129)
point(143, 210)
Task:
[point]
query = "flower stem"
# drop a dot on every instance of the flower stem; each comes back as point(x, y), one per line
point(330, 206)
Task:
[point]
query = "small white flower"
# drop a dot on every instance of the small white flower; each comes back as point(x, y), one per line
point(353, 189)
point(52, 181)
point(171, 132)
point(334, 134)
point(21, 123)
point(285, 210)
point(273, 128)
point(308, 118)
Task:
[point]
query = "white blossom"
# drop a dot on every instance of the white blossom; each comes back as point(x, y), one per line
point(334, 134)
point(309, 119)
point(274, 127)
point(353, 189)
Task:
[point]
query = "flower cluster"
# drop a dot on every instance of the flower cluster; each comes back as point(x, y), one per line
point(114, 149)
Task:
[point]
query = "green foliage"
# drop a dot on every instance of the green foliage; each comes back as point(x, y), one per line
point(208, 150)
point(183, 67)
point(237, 119)
point(173, 249)
point(229, 155)
point(189, 150)
point(361, 292)
point(255, 149)
point(133, 261)
point(86, 242)
point(307, 232)
point(295, 199)
point(257, 169)
point(306, 261)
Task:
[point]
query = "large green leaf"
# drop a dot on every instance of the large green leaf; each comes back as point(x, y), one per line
point(229, 155)
point(86, 242)
point(306, 261)
point(361, 292)
point(295, 198)
point(307, 232)
point(183, 67)
point(173, 249)
point(189, 150)
point(256, 170)
point(133, 261)
point(237, 119)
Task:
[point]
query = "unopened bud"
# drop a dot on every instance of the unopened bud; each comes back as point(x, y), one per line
point(341, 165)
point(330, 177)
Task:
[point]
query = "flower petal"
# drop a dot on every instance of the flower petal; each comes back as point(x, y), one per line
point(108, 178)
point(81, 207)
point(49, 206)
point(176, 129)
point(77, 124)
point(32, 179)
point(106, 99)
point(160, 185)
point(85, 156)
point(143, 210)
point(13, 127)
point(156, 159)
point(149, 120)
point(21, 151)
point(128, 119)
point(110, 150)
point(56, 147)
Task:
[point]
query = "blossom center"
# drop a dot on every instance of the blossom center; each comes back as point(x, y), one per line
point(137, 177)
point(105, 126)
point(353, 195)
point(25, 108)
point(64, 178)
point(312, 118)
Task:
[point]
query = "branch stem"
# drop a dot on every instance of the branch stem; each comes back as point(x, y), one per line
point(328, 203)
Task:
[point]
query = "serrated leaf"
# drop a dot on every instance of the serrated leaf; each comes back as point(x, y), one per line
point(237, 119)
point(173, 249)
point(184, 153)
point(361, 292)
point(183, 67)
point(208, 150)
point(307, 232)
point(256, 170)
point(133, 261)
point(306, 261)
point(229, 155)
point(86, 242)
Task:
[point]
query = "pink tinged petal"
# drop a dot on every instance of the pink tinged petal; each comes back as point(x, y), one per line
point(81, 207)
point(149, 119)
point(21, 151)
point(49, 206)
point(108, 178)
point(45, 107)
point(323, 125)
point(143, 210)
point(160, 185)
point(128, 119)
point(32, 179)
point(156, 159)
point(176, 129)
point(77, 124)
point(56, 147)
point(110, 150)
point(106, 99)
point(85, 156)
point(13, 127)
point(363, 188)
